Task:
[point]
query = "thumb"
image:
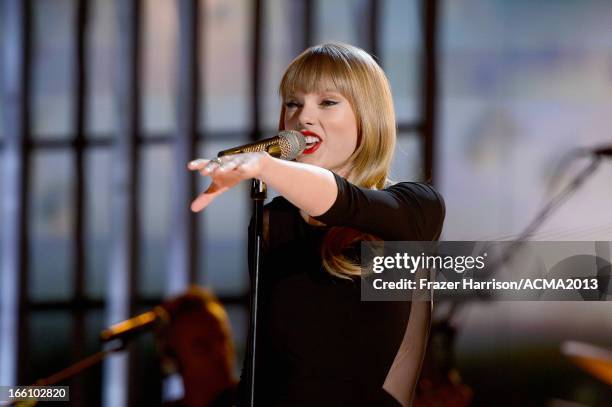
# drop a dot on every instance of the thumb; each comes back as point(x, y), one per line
point(206, 197)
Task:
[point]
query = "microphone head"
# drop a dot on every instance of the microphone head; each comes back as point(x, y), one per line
point(291, 143)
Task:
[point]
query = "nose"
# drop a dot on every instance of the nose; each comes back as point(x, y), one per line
point(306, 116)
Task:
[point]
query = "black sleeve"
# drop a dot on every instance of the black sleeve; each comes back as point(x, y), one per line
point(404, 211)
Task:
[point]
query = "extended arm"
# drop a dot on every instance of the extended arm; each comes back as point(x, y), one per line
point(308, 187)
point(405, 211)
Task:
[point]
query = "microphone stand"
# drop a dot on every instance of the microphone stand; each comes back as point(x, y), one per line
point(258, 195)
point(115, 345)
point(76, 368)
point(81, 365)
point(548, 209)
point(510, 251)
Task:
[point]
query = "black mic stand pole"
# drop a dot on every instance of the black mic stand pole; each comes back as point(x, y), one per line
point(545, 213)
point(81, 365)
point(258, 195)
point(115, 345)
point(76, 368)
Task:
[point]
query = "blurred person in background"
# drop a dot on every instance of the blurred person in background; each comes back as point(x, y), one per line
point(197, 344)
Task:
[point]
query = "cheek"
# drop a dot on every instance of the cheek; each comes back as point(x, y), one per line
point(347, 127)
point(288, 120)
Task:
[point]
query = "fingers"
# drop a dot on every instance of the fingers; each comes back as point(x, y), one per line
point(225, 172)
point(245, 165)
point(198, 164)
point(220, 165)
point(206, 167)
point(230, 165)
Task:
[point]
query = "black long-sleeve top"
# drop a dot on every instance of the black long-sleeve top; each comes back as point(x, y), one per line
point(319, 344)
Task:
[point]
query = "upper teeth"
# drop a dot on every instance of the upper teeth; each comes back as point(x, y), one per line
point(311, 139)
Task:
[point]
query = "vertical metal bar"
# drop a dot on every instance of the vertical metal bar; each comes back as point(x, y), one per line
point(257, 191)
point(302, 14)
point(602, 264)
point(79, 138)
point(123, 265)
point(256, 70)
point(258, 196)
point(374, 26)
point(429, 9)
point(13, 254)
point(181, 269)
point(78, 337)
point(310, 22)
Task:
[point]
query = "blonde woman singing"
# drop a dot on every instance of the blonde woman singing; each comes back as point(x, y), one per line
point(320, 345)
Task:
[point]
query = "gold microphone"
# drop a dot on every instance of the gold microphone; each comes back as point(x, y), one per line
point(286, 145)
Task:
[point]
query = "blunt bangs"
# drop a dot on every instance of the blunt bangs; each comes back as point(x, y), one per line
point(321, 70)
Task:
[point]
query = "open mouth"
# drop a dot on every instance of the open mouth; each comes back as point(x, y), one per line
point(313, 141)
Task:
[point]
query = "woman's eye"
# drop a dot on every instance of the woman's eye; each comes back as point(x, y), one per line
point(329, 103)
point(291, 105)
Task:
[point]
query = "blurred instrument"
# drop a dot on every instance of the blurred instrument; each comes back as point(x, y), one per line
point(594, 359)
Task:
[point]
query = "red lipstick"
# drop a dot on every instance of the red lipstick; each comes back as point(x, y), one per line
point(314, 147)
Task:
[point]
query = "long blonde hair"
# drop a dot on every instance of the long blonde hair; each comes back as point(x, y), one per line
point(352, 72)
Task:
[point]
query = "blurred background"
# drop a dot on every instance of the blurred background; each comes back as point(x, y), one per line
point(105, 101)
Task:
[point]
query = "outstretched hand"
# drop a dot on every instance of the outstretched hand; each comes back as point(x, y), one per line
point(232, 170)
